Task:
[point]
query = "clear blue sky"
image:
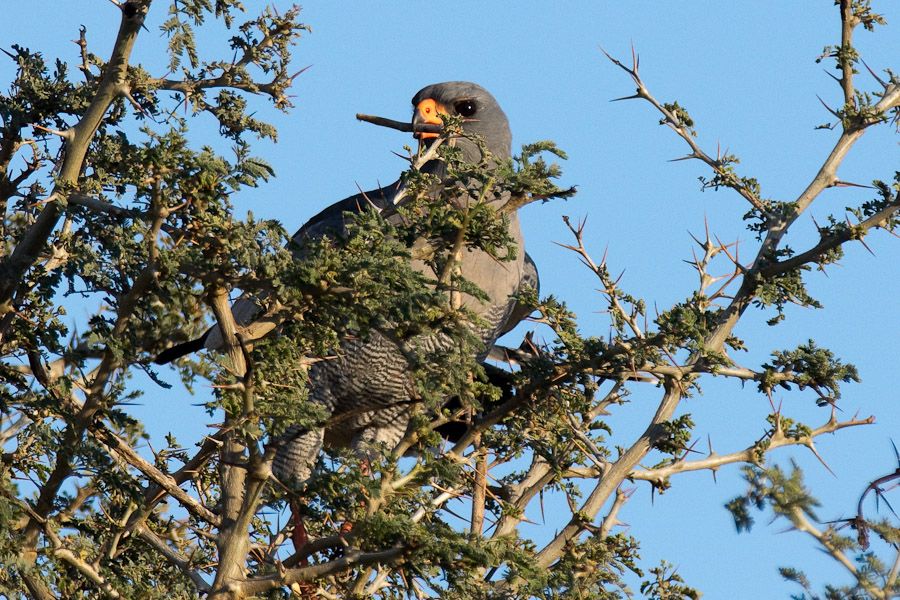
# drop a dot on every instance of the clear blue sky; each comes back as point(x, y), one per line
point(747, 74)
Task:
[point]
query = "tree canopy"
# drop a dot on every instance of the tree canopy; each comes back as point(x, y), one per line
point(121, 239)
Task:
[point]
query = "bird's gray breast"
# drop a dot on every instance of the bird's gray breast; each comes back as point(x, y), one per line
point(373, 374)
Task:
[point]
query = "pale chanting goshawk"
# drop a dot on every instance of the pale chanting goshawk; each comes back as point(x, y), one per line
point(371, 378)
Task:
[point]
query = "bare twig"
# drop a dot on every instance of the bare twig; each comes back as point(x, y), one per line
point(612, 517)
point(400, 125)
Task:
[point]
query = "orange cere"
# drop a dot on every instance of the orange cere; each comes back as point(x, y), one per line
point(427, 111)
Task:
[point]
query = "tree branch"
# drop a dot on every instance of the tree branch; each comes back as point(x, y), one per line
point(352, 559)
point(751, 454)
point(58, 550)
point(118, 447)
point(111, 85)
point(684, 129)
point(183, 564)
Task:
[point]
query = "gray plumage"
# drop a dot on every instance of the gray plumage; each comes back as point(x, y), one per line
point(370, 380)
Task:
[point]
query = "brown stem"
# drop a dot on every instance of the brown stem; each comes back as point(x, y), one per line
point(848, 24)
point(478, 492)
point(405, 126)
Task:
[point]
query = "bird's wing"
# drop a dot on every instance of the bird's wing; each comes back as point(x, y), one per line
point(246, 309)
point(332, 219)
point(530, 279)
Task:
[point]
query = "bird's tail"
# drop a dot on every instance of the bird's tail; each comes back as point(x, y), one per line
point(167, 356)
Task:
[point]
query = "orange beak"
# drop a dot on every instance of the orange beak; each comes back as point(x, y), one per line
point(427, 111)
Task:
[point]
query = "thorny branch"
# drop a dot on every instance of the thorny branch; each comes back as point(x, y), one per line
point(60, 551)
point(777, 225)
point(609, 286)
point(684, 129)
point(120, 448)
point(752, 454)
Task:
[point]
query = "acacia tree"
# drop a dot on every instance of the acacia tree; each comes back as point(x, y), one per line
point(115, 205)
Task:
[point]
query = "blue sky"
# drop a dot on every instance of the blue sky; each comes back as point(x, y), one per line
point(747, 74)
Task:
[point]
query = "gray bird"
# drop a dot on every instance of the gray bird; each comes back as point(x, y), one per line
point(370, 380)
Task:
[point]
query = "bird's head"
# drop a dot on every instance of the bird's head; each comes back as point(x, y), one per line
point(480, 112)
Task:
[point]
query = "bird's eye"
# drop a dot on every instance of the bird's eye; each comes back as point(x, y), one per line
point(465, 108)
